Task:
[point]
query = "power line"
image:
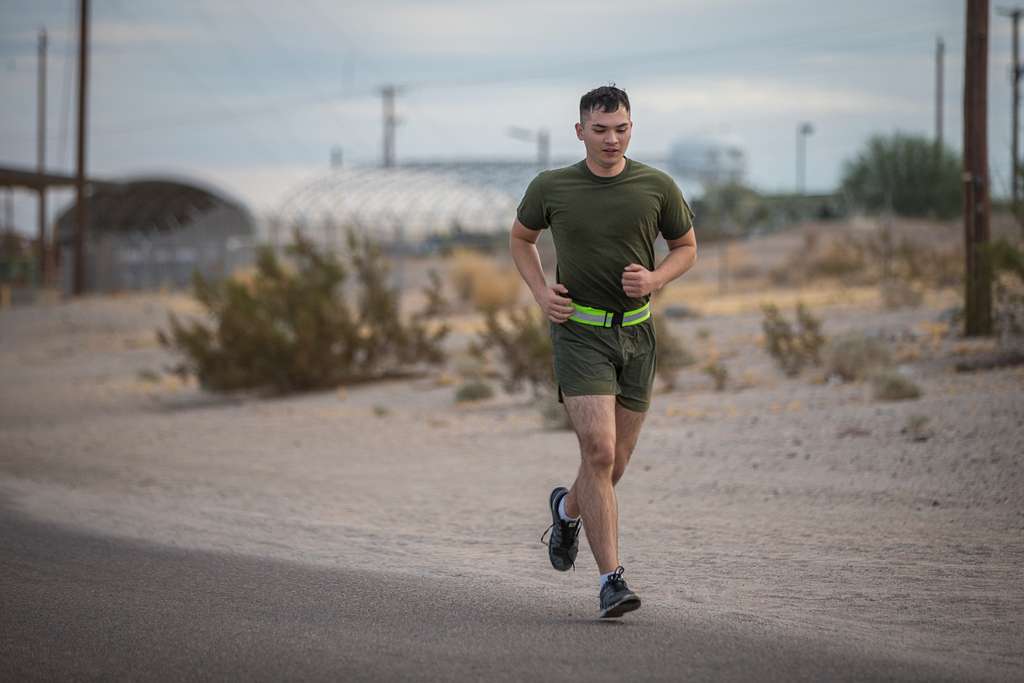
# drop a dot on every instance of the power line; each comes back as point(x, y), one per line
point(184, 67)
point(216, 116)
point(212, 26)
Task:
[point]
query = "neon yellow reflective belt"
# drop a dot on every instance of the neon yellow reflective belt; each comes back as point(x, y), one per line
point(601, 318)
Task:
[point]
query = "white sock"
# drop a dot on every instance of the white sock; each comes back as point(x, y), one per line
point(604, 578)
point(561, 511)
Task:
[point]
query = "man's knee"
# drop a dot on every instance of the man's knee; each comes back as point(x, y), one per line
point(598, 453)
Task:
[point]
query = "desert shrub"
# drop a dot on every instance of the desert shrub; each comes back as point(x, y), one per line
point(842, 259)
point(916, 428)
point(294, 327)
point(483, 282)
point(792, 348)
point(910, 260)
point(717, 372)
point(521, 340)
point(890, 385)
point(473, 391)
point(900, 294)
point(436, 302)
point(1007, 264)
point(855, 357)
point(672, 354)
point(553, 413)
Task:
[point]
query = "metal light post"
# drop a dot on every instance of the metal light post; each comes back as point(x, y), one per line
point(541, 136)
point(802, 131)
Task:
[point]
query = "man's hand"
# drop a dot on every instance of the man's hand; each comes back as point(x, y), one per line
point(637, 281)
point(556, 307)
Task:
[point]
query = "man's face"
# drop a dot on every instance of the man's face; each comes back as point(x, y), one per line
point(605, 135)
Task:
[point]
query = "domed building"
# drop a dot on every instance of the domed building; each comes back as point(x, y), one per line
point(149, 233)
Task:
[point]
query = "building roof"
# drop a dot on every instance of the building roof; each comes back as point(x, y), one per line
point(145, 205)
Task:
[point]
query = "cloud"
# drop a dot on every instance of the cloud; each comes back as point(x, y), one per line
point(744, 99)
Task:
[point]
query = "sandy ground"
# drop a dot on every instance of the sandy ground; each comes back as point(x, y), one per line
point(780, 504)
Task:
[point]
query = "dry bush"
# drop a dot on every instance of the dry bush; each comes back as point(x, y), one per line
point(718, 373)
point(843, 259)
point(672, 354)
point(855, 357)
point(553, 413)
point(437, 303)
point(473, 390)
point(875, 257)
point(1007, 263)
point(890, 385)
point(916, 428)
point(521, 339)
point(792, 349)
point(900, 294)
point(483, 282)
point(293, 327)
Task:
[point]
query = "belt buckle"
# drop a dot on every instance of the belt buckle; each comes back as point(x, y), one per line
point(617, 318)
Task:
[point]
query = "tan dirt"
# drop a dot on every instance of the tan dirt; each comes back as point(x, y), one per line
point(792, 504)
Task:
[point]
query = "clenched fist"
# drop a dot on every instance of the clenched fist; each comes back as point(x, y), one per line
point(637, 281)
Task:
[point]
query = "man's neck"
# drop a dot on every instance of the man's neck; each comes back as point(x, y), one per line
point(605, 172)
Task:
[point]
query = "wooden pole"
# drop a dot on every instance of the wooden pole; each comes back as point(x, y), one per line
point(940, 53)
point(977, 206)
point(44, 251)
point(81, 212)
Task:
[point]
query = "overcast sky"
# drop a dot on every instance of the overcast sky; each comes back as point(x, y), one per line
point(250, 95)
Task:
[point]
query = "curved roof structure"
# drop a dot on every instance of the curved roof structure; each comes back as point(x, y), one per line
point(148, 205)
point(405, 202)
point(420, 199)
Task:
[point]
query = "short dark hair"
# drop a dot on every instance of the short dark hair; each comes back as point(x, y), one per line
point(607, 98)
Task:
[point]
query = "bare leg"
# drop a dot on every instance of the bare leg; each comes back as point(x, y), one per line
point(592, 496)
point(627, 431)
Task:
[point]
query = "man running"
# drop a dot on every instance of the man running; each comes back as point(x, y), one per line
point(605, 213)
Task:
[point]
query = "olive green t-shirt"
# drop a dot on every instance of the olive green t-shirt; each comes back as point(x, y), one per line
point(601, 225)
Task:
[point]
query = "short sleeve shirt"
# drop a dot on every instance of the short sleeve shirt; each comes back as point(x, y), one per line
point(601, 225)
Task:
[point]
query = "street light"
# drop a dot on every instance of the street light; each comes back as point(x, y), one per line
point(541, 136)
point(802, 131)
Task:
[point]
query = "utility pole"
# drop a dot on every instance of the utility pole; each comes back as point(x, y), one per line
point(81, 212)
point(940, 54)
point(977, 206)
point(1015, 72)
point(802, 131)
point(541, 136)
point(390, 122)
point(45, 252)
point(543, 148)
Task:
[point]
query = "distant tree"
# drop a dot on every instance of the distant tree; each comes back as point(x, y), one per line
point(907, 174)
point(730, 209)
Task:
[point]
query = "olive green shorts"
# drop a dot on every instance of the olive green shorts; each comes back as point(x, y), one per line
point(603, 361)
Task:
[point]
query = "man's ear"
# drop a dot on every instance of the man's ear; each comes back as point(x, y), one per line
point(579, 131)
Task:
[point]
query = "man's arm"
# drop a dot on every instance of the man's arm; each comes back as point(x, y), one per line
point(522, 244)
point(637, 281)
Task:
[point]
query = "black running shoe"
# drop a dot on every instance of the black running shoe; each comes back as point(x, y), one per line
point(563, 543)
point(616, 598)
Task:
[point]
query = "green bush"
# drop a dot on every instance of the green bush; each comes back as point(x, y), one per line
point(792, 349)
point(473, 391)
point(907, 174)
point(299, 327)
point(855, 357)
